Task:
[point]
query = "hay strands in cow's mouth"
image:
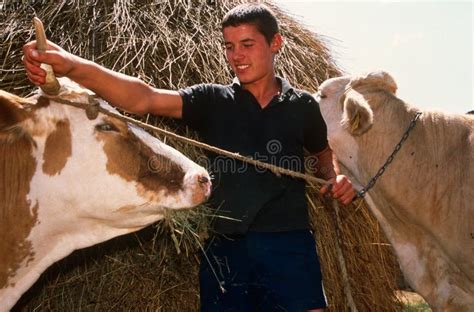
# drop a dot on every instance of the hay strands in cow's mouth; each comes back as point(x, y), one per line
point(51, 86)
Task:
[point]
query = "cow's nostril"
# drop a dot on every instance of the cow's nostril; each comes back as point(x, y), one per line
point(203, 179)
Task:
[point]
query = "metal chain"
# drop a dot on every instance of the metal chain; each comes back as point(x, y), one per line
point(389, 160)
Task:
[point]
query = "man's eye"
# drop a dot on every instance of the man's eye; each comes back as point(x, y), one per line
point(106, 127)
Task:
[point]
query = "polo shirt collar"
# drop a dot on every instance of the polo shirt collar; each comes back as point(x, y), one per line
point(285, 85)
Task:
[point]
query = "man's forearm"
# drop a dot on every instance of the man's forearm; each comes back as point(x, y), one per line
point(128, 93)
point(120, 90)
point(326, 166)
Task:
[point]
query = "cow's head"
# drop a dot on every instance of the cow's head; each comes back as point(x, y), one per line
point(347, 104)
point(68, 182)
point(104, 168)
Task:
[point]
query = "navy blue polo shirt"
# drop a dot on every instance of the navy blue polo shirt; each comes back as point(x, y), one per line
point(247, 197)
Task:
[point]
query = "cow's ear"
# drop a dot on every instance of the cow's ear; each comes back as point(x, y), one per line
point(357, 115)
point(12, 110)
point(379, 79)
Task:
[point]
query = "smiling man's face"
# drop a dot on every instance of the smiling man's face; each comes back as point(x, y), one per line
point(248, 52)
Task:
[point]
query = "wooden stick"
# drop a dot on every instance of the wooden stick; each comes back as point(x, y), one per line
point(51, 85)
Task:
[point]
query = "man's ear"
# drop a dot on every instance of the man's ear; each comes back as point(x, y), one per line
point(276, 43)
point(357, 116)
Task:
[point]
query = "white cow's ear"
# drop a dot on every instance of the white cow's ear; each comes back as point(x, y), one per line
point(357, 115)
point(376, 79)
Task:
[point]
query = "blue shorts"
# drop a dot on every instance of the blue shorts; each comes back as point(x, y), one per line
point(262, 272)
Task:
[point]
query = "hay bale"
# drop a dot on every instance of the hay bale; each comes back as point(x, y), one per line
point(172, 44)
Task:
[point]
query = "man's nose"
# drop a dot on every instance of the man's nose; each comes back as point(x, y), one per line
point(237, 55)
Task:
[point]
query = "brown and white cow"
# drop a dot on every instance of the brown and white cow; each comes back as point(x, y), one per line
point(425, 199)
point(67, 182)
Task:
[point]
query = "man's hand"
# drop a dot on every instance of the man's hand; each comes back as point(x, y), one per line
point(342, 189)
point(62, 62)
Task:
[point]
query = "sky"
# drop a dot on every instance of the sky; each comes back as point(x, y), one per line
point(427, 46)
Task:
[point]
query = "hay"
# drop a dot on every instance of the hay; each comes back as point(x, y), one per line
point(172, 44)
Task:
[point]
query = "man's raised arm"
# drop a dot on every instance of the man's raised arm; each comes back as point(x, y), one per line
point(126, 92)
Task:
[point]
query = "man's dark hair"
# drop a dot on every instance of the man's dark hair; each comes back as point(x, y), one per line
point(253, 13)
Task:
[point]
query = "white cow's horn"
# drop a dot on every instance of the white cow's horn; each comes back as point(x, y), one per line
point(51, 85)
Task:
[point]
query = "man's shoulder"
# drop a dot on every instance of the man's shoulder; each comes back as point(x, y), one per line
point(218, 89)
point(303, 95)
point(210, 86)
point(208, 91)
point(302, 98)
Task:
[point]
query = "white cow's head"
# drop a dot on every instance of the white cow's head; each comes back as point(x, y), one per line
point(68, 182)
point(344, 106)
point(348, 106)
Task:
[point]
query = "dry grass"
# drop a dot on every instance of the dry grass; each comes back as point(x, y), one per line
point(172, 44)
point(412, 302)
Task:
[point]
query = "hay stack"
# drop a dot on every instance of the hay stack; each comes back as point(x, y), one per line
point(172, 44)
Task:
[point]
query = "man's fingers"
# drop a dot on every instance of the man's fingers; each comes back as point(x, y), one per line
point(28, 46)
point(347, 198)
point(340, 189)
point(37, 80)
point(53, 46)
point(326, 188)
point(33, 67)
point(28, 50)
point(27, 58)
point(47, 57)
point(35, 74)
point(31, 61)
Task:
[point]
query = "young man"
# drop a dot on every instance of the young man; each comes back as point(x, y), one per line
point(263, 256)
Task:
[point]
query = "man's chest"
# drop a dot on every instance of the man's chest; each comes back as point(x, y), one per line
point(248, 129)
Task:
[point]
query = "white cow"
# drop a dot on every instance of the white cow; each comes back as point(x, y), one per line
point(67, 182)
point(425, 199)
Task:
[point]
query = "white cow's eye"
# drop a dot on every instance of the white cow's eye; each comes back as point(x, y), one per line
point(320, 96)
point(106, 127)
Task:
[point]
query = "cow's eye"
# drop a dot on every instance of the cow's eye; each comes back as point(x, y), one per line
point(106, 127)
point(319, 96)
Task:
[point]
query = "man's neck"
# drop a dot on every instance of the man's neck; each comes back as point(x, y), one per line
point(264, 89)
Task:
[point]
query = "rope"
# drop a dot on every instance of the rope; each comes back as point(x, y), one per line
point(91, 113)
point(341, 259)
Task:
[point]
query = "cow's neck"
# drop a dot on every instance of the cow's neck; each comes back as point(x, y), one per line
point(27, 245)
point(48, 248)
point(422, 170)
point(17, 214)
point(423, 257)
